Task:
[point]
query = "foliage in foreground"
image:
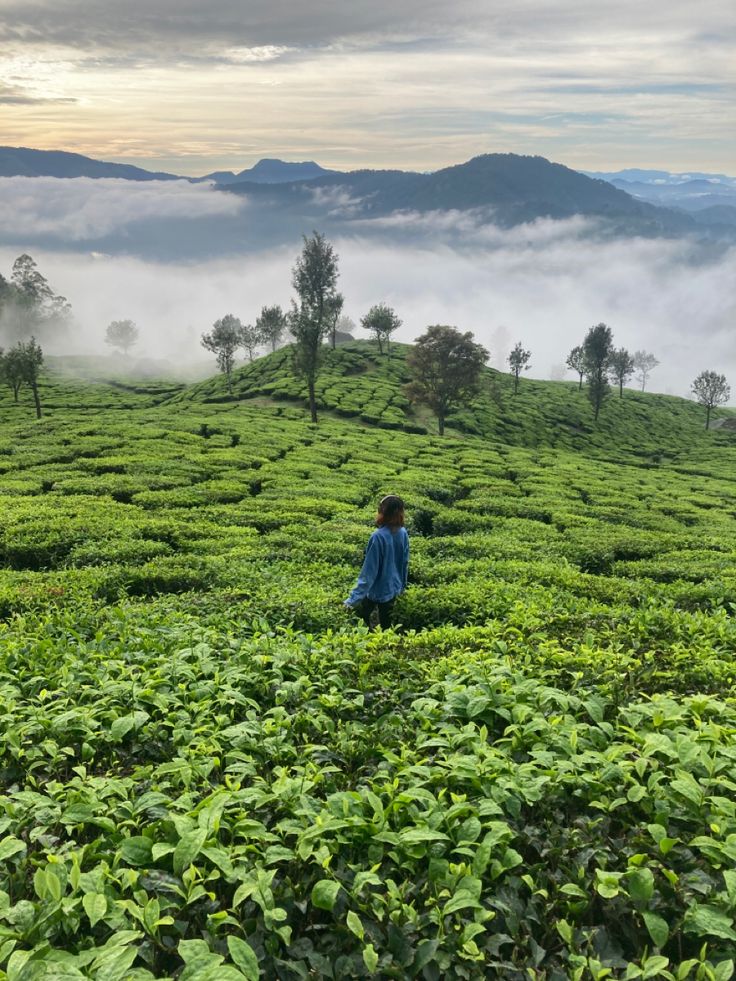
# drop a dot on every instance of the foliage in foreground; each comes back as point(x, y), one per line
point(209, 772)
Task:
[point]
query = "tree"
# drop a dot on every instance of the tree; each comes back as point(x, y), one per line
point(518, 362)
point(597, 349)
point(381, 321)
point(334, 312)
point(314, 277)
point(576, 362)
point(224, 340)
point(10, 367)
point(271, 326)
point(122, 334)
point(250, 338)
point(30, 303)
point(445, 366)
point(711, 390)
point(644, 363)
point(30, 358)
point(622, 368)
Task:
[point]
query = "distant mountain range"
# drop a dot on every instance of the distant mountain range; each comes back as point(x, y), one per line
point(20, 161)
point(503, 188)
point(500, 188)
point(709, 198)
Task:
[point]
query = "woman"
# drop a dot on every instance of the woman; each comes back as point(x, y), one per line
point(385, 566)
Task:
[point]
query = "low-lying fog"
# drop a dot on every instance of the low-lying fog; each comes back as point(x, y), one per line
point(174, 256)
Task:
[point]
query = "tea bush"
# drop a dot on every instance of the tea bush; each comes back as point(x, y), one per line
point(212, 771)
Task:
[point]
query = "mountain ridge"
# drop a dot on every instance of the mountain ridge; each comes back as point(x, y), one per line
point(505, 189)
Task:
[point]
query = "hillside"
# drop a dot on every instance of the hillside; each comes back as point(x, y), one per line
point(358, 383)
point(212, 770)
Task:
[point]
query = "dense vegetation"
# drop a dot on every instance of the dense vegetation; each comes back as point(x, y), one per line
point(211, 772)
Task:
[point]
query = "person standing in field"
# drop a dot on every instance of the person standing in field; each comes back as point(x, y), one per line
point(385, 566)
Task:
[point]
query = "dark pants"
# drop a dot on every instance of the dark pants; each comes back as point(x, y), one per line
point(374, 613)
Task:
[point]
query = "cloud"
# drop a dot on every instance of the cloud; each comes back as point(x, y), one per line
point(87, 209)
point(543, 284)
point(196, 88)
point(109, 25)
point(336, 201)
point(11, 95)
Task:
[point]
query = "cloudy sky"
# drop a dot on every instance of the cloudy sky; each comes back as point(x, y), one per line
point(192, 87)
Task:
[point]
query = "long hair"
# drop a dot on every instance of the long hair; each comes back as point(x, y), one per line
point(390, 512)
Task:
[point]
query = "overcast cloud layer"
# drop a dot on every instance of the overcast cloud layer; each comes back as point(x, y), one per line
point(189, 87)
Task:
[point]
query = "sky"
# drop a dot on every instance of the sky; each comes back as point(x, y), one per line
point(190, 87)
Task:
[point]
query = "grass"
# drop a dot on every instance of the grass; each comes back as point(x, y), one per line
point(210, 771)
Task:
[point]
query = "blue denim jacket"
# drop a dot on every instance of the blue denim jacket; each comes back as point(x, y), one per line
point(385, 567)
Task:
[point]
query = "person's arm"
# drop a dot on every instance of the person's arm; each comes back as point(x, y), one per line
point(405, 564)
point(368, 573)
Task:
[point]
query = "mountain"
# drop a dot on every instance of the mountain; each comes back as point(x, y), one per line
point(25, 162)
point(657, 176)
point(709, 198)
point(270, 171)
point(505, 188)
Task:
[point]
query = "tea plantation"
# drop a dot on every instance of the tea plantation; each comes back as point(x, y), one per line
point(211, 772)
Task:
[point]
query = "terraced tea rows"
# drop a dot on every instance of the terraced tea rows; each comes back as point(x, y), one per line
point(211, 772)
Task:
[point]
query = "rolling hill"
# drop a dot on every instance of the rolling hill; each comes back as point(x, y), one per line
point(357, 383)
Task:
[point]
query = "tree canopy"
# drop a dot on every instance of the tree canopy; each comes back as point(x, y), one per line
point(597, 349)
point(224, 340)
point(381, 321)
point(271, 325)
point(711, 390)
point(121, 334)
point(576, 362)
point(622, 367)
point(445, 366)
point(644, 364)
point(518, 362)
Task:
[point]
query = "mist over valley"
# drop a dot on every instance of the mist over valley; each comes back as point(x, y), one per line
point(175, 255)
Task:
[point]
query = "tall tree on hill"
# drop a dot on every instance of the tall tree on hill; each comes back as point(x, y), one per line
point(271, 326)
point(224, 340)
point(381, 321)
point(644, 364)
point(122, 334)
point(576, 362)
point(445, 367)
point(30, 358)
point(334, 312)
point(711, 390)
point(314, 277)
point(622, 368)
point(518, 362)
point(597, 349)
